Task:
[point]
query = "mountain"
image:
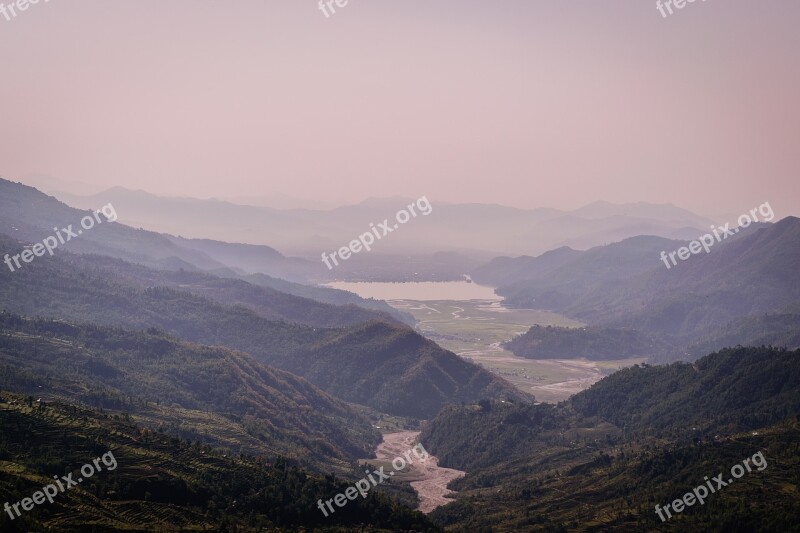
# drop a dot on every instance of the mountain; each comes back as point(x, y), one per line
point(642, 210)
point(774, 329)
point(31, 216)
point(21, 206)
point(157, 378)
point(732, 391)
point(329, 295)
point(472, 229)
point(556, 280)
point(153, 481)
point(362, 364)
point(749, 275)
point(83, 288)
point(625, 285)
point(593, 343)
point(504, 270)
point(256, 259)
point(643, 436)
point(267, 302)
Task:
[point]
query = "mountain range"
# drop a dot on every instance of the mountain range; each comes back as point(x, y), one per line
point(235, 393)
point(644, 436)
point(708, 300)
point(479, 231)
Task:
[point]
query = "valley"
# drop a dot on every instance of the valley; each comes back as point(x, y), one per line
point(427, 478)
point(471, 321)
point(422, 267)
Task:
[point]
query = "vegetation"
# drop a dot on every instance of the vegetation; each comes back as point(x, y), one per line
point(592, 343)
point(417, 384)
point(267, 302)
point(393, 370)
point(733, 390)
point(776, 329)
point(210, 394)
point(640, 437)
point(328, 295)
point(163, 483)
point(732, 295)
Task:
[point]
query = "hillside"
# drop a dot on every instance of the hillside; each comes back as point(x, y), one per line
point(254, 259)
point(361, 365)
point(624, 285)
point(736, 389)
point(471, 228)
point(595, 344)
point(73, 288)
point(560, 280)
point(267, 302)
point(642, 436)
point(29, 215)
point(770, 329)
point(505, 270)
point(158, 482)
point(590, 488)
point(328, 295)
point(160, 380)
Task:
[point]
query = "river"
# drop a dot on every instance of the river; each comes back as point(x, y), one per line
point(426, 477)
point(471, 321)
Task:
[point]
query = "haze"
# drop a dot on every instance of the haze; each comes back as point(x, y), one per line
point(519, 103)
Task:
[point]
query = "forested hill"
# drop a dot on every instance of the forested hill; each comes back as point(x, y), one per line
point(75, 289)
point(212, 394)
point(29, 215)
point(643, 436)
point(395, 369)
point(161, 483)
point(592, 343)
point(713, 300)
point(733, 390)
point(267, 302)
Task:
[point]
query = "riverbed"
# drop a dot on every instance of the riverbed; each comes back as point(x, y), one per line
point(471, 321)
point(426, 477)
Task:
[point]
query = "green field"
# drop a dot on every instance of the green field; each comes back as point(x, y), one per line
point(474, 330)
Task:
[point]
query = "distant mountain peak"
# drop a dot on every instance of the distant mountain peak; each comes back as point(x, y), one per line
point(380, 201)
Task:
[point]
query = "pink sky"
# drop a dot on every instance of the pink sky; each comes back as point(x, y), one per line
point(524, 103)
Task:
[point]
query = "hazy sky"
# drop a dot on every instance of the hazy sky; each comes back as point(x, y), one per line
point(527, 103)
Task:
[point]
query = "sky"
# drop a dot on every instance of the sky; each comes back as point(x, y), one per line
point(527, 103)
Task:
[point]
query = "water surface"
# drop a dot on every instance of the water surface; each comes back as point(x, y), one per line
point(419, 290)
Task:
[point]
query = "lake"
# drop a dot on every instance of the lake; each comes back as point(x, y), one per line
point(419, 290)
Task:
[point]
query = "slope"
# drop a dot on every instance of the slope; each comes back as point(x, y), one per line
point(640, 437)
point(158, 482)
point(73, 289)
point(155, 377)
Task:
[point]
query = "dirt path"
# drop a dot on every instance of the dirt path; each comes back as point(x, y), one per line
point(429, 479)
